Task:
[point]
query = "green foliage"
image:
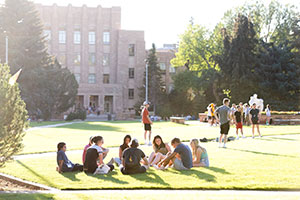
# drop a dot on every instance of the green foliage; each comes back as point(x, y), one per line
point(13, 119)
point(78, 114)
point(47, 89)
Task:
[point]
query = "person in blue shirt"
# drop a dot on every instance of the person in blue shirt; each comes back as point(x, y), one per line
point(64, 164)
point(181, 157)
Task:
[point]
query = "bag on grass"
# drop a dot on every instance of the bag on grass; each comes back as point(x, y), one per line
point(131, 160)
point(103, 169)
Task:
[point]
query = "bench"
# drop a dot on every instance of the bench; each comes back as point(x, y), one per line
point(179, 120)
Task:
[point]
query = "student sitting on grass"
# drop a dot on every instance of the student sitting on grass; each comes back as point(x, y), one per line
point(64, 164)
point(200, 157)
point(181, 158)
point(122, 147)
point(86, 148)
point(160, 148)
point(131, 160)
point(94, 158)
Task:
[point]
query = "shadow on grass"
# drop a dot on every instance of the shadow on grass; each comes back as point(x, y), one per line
point(108, 177)
point(92, 127)
point(262, 153)
point(198, 174)
point(71, 175)
point(27, 196)
point(150, 177)
point(288, 139)
point(47, 181)
point(218, 170)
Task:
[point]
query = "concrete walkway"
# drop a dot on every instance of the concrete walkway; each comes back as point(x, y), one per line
point(53, 125)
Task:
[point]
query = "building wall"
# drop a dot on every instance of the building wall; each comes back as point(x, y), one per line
point(97, 19)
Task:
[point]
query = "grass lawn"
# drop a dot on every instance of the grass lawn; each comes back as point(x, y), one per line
point(269, 163)
point(145, 196)
point(76, 135)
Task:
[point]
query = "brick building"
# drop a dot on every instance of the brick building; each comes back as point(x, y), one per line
point(108, 62)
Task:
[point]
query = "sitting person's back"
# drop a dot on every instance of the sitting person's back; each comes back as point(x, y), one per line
point(131, 160)
point(90, 164)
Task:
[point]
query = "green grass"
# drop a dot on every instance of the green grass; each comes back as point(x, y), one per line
point(268, 163)
point(76, 135)
point(146, 196)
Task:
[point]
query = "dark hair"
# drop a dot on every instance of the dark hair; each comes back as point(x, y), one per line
point(126, 136)
point(162, 145)
point(60, 146)
point(238, 107)
point(225, 100)
point(177, 140)
point(254, 104)
point(134, 143)
point(96, 139)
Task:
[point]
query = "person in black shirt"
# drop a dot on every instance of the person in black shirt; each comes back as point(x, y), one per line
point(238, 121)
point(254, 118)
point(122, 147)
point(131, 159)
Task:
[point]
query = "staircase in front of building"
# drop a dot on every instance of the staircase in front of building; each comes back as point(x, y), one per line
point(102, 117)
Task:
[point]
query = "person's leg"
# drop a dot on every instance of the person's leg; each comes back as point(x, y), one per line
point(77, 167)
point(111, 162)
point(179, 165)
point(157, 158)
point(151, 157)
point(145, 136)
point(220, 140)
point(111, 167)
point(253, 130)
point(257, 126)
point(149, 136)
point(242, 132)
point(122, 169)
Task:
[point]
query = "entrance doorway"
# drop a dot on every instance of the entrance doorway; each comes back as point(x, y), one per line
point(79, 102)
point(93, 103)
point(108, 104)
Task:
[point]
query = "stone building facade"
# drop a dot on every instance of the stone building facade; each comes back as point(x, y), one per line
point(107, 62)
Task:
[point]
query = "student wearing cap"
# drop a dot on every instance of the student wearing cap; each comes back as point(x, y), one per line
point(147, 122)
point(132, 157)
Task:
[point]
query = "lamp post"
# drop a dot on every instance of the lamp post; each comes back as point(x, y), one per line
point(146, 81)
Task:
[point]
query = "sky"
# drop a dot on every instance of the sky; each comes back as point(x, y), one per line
point(164, 20)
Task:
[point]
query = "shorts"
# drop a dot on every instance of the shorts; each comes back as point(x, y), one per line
point(138, 170)
point(254, 121)
point(179, 165)
point(239, 125)
point(224, 128)
point(147, 127)
point(209, 117)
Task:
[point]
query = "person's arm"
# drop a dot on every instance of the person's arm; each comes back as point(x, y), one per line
point(250, 117)
point(216, 115)
point(145, 161)
point(60, 164)
point(167, 160)
point(101, 159)
point(168, 147)
point(120, 153)
point(198, 156)
point(149, 119)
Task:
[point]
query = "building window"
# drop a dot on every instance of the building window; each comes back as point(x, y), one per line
point(62, 37)
point(62, 59)
point(105, 78)
point(77, 77)
point(76, 37)
point(131, 93)
point(92, 38)
point(131, 49)
point(77, 59)
point(47, 35)
point(106, 59)
point(162, 66)
point(92, 78)
point(106, 37)
point(92, 58)
point(172, 69)
point(131, 72)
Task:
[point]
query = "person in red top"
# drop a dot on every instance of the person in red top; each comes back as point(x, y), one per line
point(147, 122)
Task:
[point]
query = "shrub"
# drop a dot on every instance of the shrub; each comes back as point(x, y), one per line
point(78, 114)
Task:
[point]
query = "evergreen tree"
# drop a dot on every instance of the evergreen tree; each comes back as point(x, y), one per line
point(239, 60)
point(13, 118)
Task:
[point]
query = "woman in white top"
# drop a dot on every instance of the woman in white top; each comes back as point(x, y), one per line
point(268, 114)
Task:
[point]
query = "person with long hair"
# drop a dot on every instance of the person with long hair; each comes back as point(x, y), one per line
point(200, 157)
point(160, 148)
point(268, 114)
point(125, 145)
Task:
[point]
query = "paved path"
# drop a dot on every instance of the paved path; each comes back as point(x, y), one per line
point(52, 125)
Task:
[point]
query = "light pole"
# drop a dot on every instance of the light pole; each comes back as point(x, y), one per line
point(146, 81)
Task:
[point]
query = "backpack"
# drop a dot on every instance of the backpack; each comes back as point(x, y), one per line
point(131, 159)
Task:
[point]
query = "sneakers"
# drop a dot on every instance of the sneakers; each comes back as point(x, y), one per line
point(243, 136)
point(260, 136)
point(224, 146)
point(237, 137)
point(159, 168)
point(220, 144)
point(252, 136)
point(149, 144)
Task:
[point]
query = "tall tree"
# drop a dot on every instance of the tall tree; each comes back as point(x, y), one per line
point(13, 118)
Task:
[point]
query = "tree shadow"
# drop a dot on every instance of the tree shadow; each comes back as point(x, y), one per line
point(47, 181)
point(91, 127)
point(262, 153)
point(149, 177)
point(71, 175)
point(198, 174)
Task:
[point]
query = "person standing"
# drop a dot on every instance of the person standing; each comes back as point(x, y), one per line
point(268, 114)
point(147, 122)
point(254, 117)
point(224, 113)
point(238, 121)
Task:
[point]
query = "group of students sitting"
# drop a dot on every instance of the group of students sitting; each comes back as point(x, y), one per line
point(133, 160)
